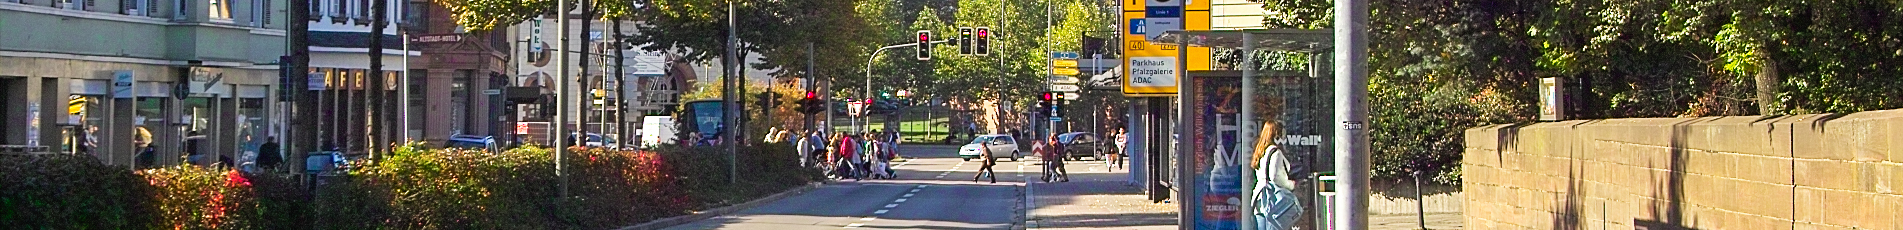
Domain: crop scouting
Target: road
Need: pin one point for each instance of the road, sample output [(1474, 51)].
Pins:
[(934, 190)]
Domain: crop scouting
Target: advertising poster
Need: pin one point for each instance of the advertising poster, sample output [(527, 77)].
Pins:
[(1214, 157)]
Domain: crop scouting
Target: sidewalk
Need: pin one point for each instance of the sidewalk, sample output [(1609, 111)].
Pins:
[(1094, 199)]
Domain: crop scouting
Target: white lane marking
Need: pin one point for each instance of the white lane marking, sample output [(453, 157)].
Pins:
[(855, 225), (900, 200), (921, 186), (892, 206), (880, 212), (908, 195), (915, 190), (868, 218)]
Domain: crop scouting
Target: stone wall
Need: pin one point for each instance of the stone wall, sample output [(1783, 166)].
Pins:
[(1790, 172)]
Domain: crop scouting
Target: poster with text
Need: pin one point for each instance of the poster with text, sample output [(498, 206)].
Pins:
[(1216, 201)]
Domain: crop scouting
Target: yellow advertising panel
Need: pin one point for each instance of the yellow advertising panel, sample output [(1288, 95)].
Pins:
[(1150, 69)]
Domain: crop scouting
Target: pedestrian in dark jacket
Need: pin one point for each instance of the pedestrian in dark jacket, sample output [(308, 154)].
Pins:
[(268, 155)]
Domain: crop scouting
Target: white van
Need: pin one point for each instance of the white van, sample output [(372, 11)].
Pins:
[(657, 130)]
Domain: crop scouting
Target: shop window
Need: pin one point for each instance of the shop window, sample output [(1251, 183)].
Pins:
[(148, 118), (252, 129), (80, 132)]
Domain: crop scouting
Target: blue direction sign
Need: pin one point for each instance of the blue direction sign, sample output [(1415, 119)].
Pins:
[(1064, 55), (1136, 26)]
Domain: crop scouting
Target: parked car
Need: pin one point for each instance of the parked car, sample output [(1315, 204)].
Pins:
[(1078, 145), (596, 140), (1001, 145), (472, 142)]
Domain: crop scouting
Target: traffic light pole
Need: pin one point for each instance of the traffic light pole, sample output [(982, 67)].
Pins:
[(875, 56), (811, 82)]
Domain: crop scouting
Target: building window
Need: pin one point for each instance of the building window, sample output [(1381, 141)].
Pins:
[(218, 9), (136, 7)]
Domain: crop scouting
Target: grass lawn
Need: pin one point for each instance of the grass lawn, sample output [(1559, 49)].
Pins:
[(914, 128)]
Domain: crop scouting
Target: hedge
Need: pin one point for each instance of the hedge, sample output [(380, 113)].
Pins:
[(411, 187)]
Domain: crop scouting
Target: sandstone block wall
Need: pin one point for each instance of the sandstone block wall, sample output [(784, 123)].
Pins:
[(1791, 172)]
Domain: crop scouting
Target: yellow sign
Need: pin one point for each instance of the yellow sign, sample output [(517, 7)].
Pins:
[(1066, 71), (1064, 63), (1150, 69)]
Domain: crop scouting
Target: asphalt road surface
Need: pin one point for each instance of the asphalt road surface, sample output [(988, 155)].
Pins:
[(934, 190)]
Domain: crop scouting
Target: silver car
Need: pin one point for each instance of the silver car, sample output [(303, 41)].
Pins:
[(998, 143)]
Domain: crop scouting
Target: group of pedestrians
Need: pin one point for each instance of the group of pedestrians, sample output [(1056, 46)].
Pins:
[(854, 156)]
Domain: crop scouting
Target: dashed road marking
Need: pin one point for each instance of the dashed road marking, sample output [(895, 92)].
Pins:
[(908, 195), (901, 200), (881, 211), (855, 225), (892, 206), (868, 218)]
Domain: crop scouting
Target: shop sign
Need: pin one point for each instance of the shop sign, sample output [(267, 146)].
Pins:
[(122, 84)]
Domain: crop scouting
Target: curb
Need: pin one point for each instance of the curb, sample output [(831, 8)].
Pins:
[(711, 213)]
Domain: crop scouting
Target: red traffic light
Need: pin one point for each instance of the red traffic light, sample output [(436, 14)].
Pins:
[(810, 95), (1047, 96), (923, 36), (983, 31)]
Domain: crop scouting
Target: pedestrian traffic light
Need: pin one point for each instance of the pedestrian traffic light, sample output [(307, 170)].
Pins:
[(984, 42), (964, 41), (924, 45), (1057, 105)]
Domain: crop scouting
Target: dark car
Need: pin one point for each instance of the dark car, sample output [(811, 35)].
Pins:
[(1078, 145)]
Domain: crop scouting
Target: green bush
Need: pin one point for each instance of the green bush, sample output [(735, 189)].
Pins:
[(411, 187), (71, 192)]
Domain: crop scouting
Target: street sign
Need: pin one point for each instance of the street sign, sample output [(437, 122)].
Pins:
[(1064, 55), (646, 64), (1065, 88), (1162, 15), (492, 92), (856, 108), (1064, 80), (1064, 63), (437, 38), (1065, 71), (1057, 119), (1072, 96)]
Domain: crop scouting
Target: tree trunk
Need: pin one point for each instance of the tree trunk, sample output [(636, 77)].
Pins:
[(373, 132), (1767, 82)]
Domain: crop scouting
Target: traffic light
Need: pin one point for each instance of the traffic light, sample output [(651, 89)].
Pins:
[(1044, 104), (924, 45), (811, 104), (1057, 105), (984, 41), (964, 41)]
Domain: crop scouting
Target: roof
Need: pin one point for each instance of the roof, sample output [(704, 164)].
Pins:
[(1266, 39)]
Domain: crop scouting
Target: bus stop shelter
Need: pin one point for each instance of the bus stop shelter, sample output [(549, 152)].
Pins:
[(1215, 160)]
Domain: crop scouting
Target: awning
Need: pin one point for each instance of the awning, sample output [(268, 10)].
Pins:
[(1265, 39)]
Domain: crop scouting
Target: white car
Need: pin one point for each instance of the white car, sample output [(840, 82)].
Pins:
[(999, 144)]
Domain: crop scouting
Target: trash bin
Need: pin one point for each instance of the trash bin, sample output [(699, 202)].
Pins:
[(1325, 200)]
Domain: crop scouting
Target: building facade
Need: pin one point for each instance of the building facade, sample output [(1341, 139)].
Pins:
[(340, 54), (459, 79), (110, 78)]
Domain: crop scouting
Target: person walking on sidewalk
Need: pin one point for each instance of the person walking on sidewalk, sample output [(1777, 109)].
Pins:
[(985, 167)]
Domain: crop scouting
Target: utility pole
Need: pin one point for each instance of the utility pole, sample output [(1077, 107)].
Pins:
[(1351, 108), (561, 95), (729, 117)]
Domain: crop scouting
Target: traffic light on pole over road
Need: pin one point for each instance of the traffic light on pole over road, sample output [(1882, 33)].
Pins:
[(983, 43), (964, 41), (924, 45)]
